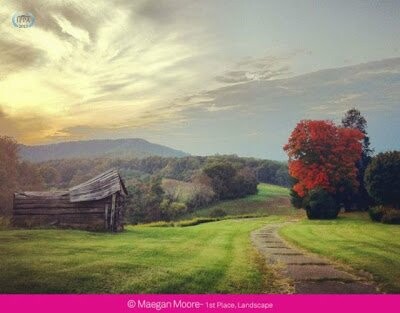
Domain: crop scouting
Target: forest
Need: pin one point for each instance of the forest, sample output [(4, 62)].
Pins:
[(161, 188)]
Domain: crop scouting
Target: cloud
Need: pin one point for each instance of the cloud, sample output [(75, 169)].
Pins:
[(17, 56), (249, 69), (162, 12), (87, 17), (267, 110), (28, 128), (160, 68), (82, 62)]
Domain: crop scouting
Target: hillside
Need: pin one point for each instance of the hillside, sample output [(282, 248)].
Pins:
[(121, 148)]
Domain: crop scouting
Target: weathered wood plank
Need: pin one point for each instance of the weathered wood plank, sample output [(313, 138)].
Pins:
[(57, 205), (100, 187), (89, 222), (46, 219), (112, 217), (42, 195), (106, 216), (45, 211)]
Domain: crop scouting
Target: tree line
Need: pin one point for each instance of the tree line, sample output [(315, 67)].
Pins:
[(209, 178)]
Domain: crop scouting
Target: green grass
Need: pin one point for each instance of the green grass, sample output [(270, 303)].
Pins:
[(356, 241), (270, 200), (208, 258)]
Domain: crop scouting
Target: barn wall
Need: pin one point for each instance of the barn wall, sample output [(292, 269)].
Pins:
[(59, 211)]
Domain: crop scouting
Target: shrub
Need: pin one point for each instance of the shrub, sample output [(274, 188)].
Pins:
[(295, 199), (196, 221), (319, 204), (218, 213), (376, 213), (170, 210), (382, 178), (391, 216), (160, 224)]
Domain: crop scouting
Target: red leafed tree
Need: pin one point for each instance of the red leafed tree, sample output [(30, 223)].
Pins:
[(323, 155)]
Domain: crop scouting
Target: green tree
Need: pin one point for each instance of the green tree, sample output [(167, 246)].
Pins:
[(8, 172), (382, 178), (360, 199), (222, 175)]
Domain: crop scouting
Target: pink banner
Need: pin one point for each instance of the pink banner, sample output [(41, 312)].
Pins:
[(198, 303)]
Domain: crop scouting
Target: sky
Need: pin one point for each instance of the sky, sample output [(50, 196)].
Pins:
[(205, 77)]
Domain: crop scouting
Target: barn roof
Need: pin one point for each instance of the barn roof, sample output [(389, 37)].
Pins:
[(39, 195), (99, 187)]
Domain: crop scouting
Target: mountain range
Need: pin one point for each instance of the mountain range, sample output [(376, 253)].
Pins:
[(118, 148)]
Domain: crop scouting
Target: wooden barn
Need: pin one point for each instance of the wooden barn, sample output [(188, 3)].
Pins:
[(94, 205)]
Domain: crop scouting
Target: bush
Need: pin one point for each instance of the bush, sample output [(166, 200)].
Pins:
[(171, 210), (382, 178), (319, 204), (196, 221), (376, 213), (295, 199), (160, 224), (391, 216), (218, 213)]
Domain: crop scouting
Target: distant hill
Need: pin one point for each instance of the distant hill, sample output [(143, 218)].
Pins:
[(119, 148)]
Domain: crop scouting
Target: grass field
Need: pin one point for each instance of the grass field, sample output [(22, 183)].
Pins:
[(356, 241), (209, 258), (215, 257), (270, 200)]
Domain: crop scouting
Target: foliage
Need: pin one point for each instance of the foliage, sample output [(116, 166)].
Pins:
[(172, 210), (295, 199), (385, 215), (359, 199), (376, 213), (8, 172), (14, 174), (322, 163), (322, 155), (391, 216), (29, 177), (222, 178), (319, 204), (144, 202), (245, 182), (382, 178), (195, 221), (195, 194), (273, 172), (353, 119), (269, 200), (75, 171), (228, 182)]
